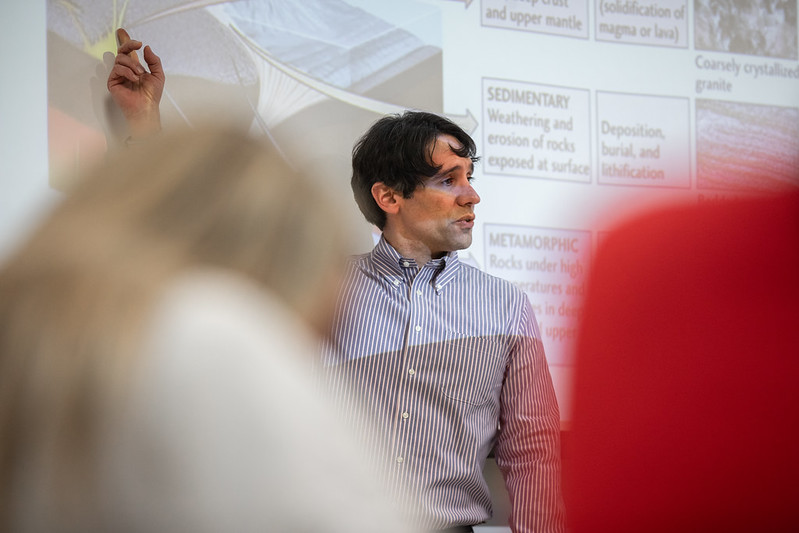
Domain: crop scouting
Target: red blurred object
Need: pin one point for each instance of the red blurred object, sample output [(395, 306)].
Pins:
[(686, 393)]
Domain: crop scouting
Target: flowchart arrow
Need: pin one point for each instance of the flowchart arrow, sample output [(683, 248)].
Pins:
[(467, 122)]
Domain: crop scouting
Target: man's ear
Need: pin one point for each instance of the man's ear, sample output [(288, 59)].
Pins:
[(386, 198)]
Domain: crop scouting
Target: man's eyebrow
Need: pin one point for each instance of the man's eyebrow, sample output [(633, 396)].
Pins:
[(457, 166)]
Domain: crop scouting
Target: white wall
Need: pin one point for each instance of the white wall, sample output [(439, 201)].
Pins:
[(24, 189)]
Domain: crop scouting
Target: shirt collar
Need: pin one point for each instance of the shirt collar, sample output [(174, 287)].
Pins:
[(390, 264)]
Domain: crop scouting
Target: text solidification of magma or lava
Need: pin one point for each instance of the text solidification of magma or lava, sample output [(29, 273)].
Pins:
[(632, 7)]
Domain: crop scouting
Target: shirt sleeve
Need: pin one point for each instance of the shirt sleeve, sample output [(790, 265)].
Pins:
[(528, 447)]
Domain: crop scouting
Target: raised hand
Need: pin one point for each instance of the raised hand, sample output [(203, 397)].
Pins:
[(136, 90)]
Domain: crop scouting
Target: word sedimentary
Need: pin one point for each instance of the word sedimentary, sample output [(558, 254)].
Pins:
[(528, 97)]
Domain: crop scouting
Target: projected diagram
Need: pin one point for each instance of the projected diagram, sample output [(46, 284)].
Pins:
[(752, 27), (596, 120), (744, 147), (311, 75), (534, 130)]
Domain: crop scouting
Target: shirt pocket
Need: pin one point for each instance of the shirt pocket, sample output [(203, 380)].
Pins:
[(472, 368)]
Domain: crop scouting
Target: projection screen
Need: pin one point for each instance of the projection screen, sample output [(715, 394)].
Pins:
[(582, 111)]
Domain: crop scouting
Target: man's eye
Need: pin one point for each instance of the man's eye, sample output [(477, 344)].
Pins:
[(448, 181), (472, 179)]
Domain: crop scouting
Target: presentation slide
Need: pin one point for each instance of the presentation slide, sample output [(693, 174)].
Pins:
[(583, 111)]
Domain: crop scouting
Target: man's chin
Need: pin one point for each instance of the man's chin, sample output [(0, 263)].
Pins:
[(462, 244)]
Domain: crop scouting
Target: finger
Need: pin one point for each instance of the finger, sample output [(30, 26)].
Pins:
[(122, 36), (129, 49), (154, 63), (132, 64), (124, 44), (120, 73)]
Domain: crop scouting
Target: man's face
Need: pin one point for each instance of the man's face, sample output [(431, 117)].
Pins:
[(440, 214)]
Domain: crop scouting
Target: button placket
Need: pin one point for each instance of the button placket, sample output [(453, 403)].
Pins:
[(417, 332), (417, 307)]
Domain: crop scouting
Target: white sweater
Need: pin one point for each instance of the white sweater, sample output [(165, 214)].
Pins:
[(224, 430)]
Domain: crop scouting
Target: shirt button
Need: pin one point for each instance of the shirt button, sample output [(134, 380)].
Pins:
[(418, 328), (405, 415), (400, 459), (418, 292), (411, 371), (406, 264), (396, 282), (438, 287)]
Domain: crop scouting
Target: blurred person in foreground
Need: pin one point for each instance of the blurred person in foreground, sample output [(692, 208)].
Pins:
[(155, 335), (685, 409), (447, 360)]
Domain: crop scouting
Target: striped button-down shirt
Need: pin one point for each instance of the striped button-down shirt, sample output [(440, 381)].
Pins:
[(447, 361)]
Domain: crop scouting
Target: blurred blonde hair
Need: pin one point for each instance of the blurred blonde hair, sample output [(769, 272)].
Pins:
[(75, 298)]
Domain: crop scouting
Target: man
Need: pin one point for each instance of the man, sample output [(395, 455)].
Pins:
[(447, 359)]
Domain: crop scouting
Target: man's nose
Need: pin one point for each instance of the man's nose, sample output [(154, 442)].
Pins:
[(469, 196)]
